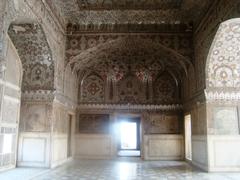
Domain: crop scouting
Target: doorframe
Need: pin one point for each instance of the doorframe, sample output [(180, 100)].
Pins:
[(186, 115), (123, 115), (138, 135), (72, 143)]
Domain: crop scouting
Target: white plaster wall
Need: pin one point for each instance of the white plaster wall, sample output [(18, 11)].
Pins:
[(199, 151), (33, 150), (163, 147), (93, 146), (224, 153), (59, 149), (10, 107)]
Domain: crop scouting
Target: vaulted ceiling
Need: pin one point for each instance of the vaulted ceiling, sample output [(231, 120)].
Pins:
[(145, 56), (130, 14), (115, 52)]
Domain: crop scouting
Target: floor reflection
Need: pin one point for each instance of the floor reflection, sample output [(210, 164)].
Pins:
[(132, 169), (125, 169)]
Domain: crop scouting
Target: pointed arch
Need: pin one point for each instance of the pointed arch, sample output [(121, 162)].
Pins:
[(222, 65), (35, 54)]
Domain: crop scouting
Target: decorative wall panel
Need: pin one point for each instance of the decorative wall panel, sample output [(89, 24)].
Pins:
[(35, 54), (113, 57), (93, 89), (163, 147), (111, 12), (131, 90), (129, 4), (93, 123), (223, 68), (78, 43), (165, 90), (34, 118), (162, 124), (204, 35), (225, 121)]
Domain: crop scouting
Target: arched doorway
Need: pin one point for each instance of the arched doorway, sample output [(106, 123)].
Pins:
[(11, 106), (222, 96), (29, 73)]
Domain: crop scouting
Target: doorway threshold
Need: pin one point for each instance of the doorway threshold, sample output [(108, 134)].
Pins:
[(129, 153)]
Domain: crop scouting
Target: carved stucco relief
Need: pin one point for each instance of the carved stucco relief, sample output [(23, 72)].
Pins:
[(161, 123), (223, 67), (93, 89), (35, 54), (205, 32)]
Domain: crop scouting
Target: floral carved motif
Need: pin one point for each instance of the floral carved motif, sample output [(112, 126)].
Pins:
[(35, 54), (223, 68)]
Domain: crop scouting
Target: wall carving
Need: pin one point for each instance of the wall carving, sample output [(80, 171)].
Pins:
[(35, 54), (93, 89), (131, 108), (204, 34), (121, 62), (132, 4), (225, 121), (161, 124), (93, 123), (216, 95), (35, 45), (223, 68), (78, 43), (165, 89), (131, 90), (91, 13)]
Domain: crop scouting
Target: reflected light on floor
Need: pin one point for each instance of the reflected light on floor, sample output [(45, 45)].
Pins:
[(126, 170)]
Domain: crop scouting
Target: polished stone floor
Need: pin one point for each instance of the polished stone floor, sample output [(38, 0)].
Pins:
[(22, 173), (131, 169), (125, 169)]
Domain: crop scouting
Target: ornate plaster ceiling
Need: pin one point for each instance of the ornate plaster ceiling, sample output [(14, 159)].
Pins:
[(128, 4), (97, 13), (142, 56)]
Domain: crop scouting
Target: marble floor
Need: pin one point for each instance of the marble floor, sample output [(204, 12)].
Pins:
[(22, 173), (127, 169)]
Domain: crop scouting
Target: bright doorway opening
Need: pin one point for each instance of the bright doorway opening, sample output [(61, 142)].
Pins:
[(129, 144), (128, 135), (188, 137)]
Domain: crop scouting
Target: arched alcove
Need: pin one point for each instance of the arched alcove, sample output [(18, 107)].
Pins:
[(35, 54), (222, 66), (222, 97), (28, 78)]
